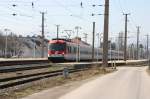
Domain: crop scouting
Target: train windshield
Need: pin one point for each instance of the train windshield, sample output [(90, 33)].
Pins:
[(57, 47)]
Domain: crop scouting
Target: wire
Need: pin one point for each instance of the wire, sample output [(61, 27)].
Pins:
[(133, 21), (120, 5), (65, 7), (14, 2)]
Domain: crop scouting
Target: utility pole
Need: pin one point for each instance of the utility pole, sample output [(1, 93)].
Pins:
[(6, 41), (78, 49), (132, 51), (85, 37), (42, 50), (138, 32), (93, 41), (118, 47), (98, 45), (57, 31), (148, 58), (125, 37), (147, 48), (98, 40), (105, 35)]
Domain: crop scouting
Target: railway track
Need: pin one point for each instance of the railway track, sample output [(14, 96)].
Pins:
[(21, 79), (30, 78), (14, 68), (9, 62)]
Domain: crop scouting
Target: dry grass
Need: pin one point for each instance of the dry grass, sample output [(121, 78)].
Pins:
[(55, 81)]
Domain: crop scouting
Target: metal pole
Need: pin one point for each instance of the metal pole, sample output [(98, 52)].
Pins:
[(85, 37), (6, 46), (77, 51), (133, 52), (111, 54), (129, 52), (77, 57), (57, 31), (97, 54), (100, 42), (98, 38), (148, 58), (6, 43), (138, 32), (147, 46), (118, 49), (105, 35), (34, 47), (42, 51), (93, 52)]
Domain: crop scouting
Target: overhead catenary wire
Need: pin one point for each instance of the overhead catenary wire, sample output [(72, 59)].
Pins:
[(120, 5), (132, 22), (66, 8), (23, 13)]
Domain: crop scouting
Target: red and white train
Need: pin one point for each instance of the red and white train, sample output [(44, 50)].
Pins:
[(73, 50)]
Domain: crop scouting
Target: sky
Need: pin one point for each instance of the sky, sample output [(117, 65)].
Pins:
[(69, 14)]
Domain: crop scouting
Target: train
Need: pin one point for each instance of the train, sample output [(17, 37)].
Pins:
[(77, 50)]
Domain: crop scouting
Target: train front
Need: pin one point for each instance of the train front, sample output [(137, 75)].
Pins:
[(56, 50)]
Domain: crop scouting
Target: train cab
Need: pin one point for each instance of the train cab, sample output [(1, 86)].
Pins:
[(56, 50)]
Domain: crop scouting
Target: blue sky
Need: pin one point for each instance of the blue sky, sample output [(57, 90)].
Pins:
[(69, 13)]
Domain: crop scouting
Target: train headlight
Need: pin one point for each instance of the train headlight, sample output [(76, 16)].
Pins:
[(63, 53)]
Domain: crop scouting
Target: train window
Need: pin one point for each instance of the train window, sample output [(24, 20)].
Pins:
[(68, 49), (71, 49), (74, 49), (57, 47)]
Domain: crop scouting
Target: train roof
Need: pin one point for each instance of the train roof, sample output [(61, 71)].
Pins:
[(57, 41), (62, 40)]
